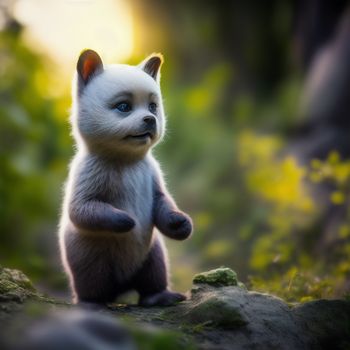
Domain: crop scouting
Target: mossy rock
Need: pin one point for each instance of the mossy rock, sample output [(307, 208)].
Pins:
[(15, 286), (223, 276)]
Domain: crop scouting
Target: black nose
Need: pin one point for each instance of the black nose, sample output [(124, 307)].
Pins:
[(149, 120)]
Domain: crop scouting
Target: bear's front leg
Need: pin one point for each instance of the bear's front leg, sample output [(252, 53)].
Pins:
[(99, 216), (168, 218)]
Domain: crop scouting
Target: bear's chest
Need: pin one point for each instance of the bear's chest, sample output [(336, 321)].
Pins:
[(131, 190)]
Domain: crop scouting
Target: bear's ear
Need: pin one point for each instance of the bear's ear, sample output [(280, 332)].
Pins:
[(151, 65), (89, 65)]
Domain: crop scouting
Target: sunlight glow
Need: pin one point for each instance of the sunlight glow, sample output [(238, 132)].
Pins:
[(63, 28)]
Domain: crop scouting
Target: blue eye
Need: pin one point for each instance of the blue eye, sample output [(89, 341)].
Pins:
[(152, 107), (123, 107)]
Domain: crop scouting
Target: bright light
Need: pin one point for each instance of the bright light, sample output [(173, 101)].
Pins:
[(63, 28)]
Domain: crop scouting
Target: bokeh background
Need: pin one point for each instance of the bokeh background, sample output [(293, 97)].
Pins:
[(257, 95)]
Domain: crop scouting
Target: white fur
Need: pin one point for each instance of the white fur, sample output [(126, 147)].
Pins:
[(93, 122)]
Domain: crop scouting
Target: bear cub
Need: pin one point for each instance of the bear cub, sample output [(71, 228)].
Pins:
[(116, 202)]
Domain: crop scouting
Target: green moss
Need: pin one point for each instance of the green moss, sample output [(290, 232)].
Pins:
[(19, 278), (223, 276), (159, 339), (242, 285), (200, 327), (15, 285)]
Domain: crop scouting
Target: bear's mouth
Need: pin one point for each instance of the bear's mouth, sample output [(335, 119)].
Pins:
[(141, 136)]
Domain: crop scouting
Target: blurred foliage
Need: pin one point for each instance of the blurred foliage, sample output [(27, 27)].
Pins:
[(34, 147), (254, 207), (283, 254), (295, 286)]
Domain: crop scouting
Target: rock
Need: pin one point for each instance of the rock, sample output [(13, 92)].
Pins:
[(234, 318), (223, 276), (76, 329), (325, 322), (15, 285), (208, 307), (220, 314), (231, 317)]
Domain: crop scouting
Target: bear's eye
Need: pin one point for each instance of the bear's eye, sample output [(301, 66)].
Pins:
[(123, 107), (152, 107)]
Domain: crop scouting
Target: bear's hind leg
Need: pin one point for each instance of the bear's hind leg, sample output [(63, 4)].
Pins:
[(91, 274), (93, 286), (151, 281)]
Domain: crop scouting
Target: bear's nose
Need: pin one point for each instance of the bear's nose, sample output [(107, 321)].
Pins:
[(149, 120)]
